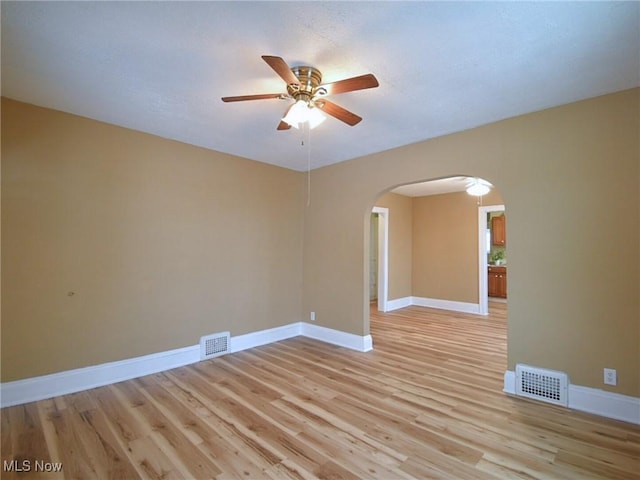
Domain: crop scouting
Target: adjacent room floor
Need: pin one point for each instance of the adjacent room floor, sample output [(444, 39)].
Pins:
[(427, 402)]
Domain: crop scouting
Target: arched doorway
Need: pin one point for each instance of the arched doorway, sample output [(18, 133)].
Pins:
[(449, 269)]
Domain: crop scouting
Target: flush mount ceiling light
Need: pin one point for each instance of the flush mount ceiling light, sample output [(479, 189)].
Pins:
[(478, 187), (304, 86)]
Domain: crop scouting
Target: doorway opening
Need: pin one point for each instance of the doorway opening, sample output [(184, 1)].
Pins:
[(448, 273), (379, 257), (483, 250)]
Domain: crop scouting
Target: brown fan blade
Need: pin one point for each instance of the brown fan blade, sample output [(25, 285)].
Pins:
[(338, 112), (284, 125), (282, 69), (263, 96), (351, 84)]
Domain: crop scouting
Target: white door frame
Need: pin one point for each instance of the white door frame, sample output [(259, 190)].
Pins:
[(383, 256), (483, 293)]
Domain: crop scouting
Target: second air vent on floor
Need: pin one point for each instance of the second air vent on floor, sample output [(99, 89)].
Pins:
[(545, 385)]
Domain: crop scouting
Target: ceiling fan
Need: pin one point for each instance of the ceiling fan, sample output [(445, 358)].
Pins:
[(304, 86)]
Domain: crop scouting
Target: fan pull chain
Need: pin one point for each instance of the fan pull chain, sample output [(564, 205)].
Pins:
[(308, 165), (305, 126)]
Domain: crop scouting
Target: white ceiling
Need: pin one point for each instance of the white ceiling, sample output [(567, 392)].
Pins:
[(433, 187), (161, 67)]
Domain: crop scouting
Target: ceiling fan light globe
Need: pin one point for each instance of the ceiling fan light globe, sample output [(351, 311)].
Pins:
[(297, 114), (316, 117), (301, 112)]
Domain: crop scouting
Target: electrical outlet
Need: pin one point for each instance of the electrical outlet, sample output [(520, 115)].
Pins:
[(312, 316), (610, 376)]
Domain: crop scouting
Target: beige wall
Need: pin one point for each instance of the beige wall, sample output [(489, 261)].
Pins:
[(399, 243), (445, 246), (570, 180), (161, 243)]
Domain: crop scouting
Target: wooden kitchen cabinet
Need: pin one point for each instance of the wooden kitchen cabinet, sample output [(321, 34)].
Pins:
[(499, 230), (497, 282)]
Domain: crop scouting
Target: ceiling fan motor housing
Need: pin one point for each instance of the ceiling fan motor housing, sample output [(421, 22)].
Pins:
[(310, 79)]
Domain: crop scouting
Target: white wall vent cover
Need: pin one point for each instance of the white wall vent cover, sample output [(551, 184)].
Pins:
[(540, 384), (214, 345)]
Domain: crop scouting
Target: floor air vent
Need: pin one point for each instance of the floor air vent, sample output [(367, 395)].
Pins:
[(214, 345), (540, 384)]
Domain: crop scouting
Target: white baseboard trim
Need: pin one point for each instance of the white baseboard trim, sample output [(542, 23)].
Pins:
[(592, 400), (76, 380), (264, 337), (607, 404), (509, 382), (317, 332), (397, 303), (463, 307), (336, 337), (79, 379)]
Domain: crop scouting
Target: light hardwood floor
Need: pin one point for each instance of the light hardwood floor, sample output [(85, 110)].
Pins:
[(426, 403)]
